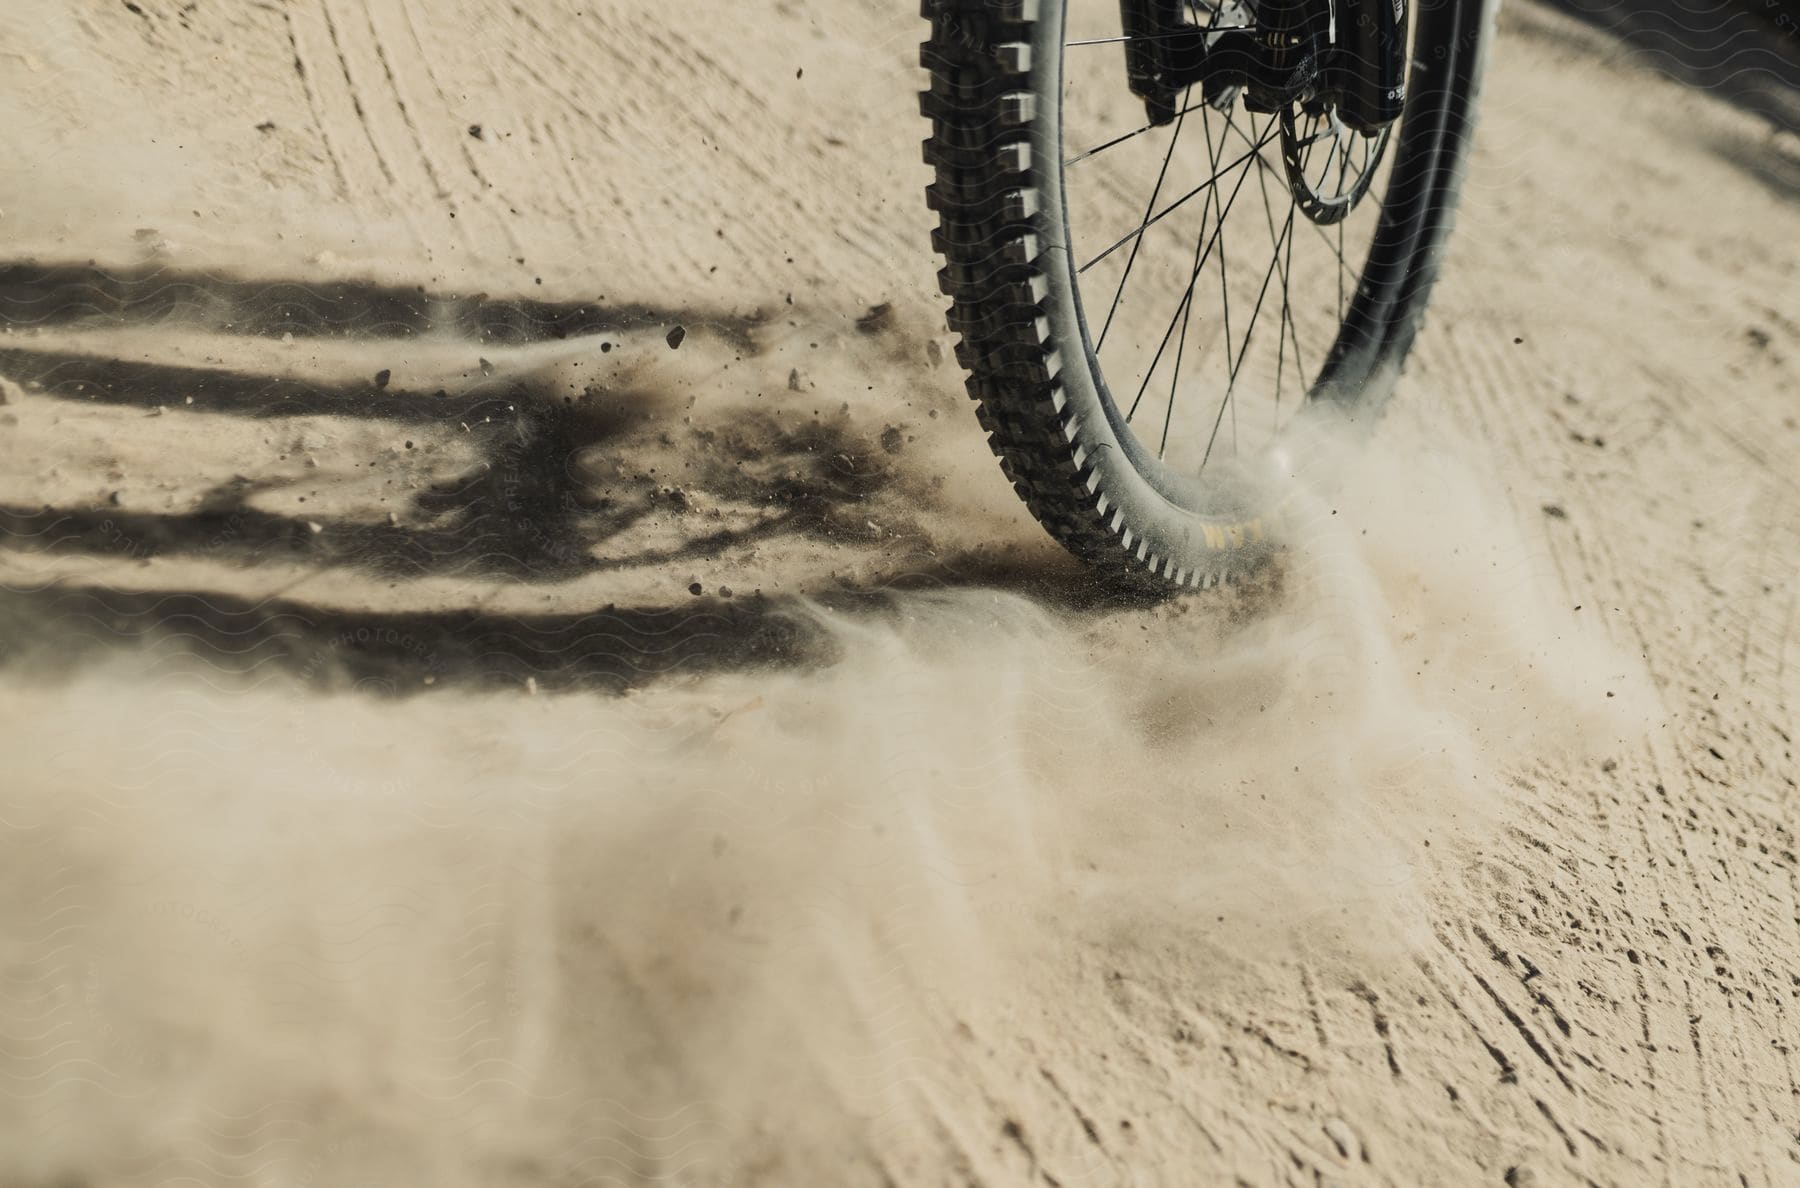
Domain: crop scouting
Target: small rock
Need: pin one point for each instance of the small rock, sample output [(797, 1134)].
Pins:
[(877, 319), (531, 686), (675, 336), (10, 392), (312, 463), (393, 520), (1344, 1139), (475, 131), (1521, 1177), (382, 377), (314, 527), (486, 367), (1555, 511), (724, 591), (934, 352), (266, 126), (793, 379), (288, 339), (116, 498), (695, 589), (891, 439)]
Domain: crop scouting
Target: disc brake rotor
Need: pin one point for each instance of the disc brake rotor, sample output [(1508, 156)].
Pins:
[(1329, 165)]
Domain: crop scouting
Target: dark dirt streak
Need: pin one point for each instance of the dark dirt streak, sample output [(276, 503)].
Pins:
[(49, 633), (49, 294), (71, 375)]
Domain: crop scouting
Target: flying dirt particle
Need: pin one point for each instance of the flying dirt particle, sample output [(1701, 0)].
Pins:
[(877, 319), (312, 463), (266, 126), (382, 377), (288, 339), (476, 132), (1517, 341), (1759, 338), (793, 379), (314, 527), (934, 353), (695, 589), (409, 445), (675, 337), (1610, 764), (116, 498), (531, 686), (1555, 511), (605, 347), (891, 439), (486, 367), (799, 72), (724, 591)]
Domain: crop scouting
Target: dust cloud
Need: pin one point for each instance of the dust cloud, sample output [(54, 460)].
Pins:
[(459, 938)]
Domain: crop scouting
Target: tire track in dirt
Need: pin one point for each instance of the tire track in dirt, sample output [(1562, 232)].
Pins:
[(316, 106), (423, 60), (1729, 1090)]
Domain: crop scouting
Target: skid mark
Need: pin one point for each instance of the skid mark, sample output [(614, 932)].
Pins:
[(320, 124), (1383, 1029), (484, 188)]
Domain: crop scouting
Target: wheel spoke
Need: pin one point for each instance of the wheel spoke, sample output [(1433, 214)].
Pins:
[(1188, 299), (1169, 331), (1100, 148), (1155, 36), (1249, 334), (1149, 206), (1164, 213)]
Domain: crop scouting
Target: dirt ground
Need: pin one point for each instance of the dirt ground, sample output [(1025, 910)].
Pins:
[(462, 730)]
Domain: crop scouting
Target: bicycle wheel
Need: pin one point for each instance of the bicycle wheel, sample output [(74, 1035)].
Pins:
[(1151, 309)]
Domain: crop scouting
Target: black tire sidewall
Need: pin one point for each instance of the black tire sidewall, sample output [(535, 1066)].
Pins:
[(1196, 528)]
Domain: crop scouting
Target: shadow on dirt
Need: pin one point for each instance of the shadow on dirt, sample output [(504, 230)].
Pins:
[(57, 629), (558, 488), (62, 294), (1744, 51)]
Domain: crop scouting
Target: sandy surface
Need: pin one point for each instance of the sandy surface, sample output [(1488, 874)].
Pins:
[(455, 738)]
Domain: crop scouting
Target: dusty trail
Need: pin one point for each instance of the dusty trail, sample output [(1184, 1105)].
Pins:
[(456, 738)]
